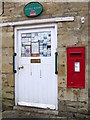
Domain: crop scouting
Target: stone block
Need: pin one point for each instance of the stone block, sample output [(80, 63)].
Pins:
[(7, 68), (62, 56), (62, 60), (4, 80), (7, 104), (11, 60), (81, 116), (83, 110), (69, 95), (61, 93), (4, 29), (10, 80), (52, 9), (9, 5), (61, 69), (5, 59), (60, 25), (62, 114), (84, 11), (10, 51), (83, 96), (5, 51), (68, 39), (76, 104), (4, 76), (8, 96), (8, 89), (80, 94), (10, 29), (62, 82), (7, 39), (72, 109), (73, 25)]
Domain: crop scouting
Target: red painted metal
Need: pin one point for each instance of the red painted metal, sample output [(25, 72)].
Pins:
[(75, 79)]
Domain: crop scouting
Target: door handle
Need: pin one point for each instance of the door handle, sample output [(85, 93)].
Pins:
[(56, 54), (21, 67), (14, 62)]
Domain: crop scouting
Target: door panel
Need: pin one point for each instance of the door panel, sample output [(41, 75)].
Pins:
[(37, 81)]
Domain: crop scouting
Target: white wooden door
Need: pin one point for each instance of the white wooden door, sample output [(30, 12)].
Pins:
[(36, 79)]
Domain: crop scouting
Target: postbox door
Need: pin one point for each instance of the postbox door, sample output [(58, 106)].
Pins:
[(76, 67)]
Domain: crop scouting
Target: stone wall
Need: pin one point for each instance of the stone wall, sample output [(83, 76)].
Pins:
[(69, 34), (7, 67)]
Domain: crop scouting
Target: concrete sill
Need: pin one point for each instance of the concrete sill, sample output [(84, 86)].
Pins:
[(36, 110)]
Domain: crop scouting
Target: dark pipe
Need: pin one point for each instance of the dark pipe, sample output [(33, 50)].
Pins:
[(2, 8)]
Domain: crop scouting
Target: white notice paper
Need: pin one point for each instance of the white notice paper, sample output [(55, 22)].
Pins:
[(35, 48), (77, 66)]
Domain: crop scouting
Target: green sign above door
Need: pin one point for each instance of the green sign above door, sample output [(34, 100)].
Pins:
[(33, 9)]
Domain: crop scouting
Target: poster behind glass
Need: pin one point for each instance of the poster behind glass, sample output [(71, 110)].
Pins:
[(36, 44)]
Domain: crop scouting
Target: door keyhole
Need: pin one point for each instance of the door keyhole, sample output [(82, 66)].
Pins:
[(31, 73)]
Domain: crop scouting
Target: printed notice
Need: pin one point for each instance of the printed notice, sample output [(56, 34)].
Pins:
[(35, 48), (77, 66)]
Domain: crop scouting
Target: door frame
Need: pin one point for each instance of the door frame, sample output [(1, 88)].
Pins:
[(16, 29)]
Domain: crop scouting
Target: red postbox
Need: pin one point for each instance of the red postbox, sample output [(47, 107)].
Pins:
[(76, 67)]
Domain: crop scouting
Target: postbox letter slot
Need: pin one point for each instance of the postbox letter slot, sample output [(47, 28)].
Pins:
[(75, 53)]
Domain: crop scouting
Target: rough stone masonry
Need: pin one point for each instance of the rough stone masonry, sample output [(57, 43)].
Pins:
[(70, 101)]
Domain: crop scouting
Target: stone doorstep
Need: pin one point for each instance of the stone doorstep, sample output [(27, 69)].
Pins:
[(36, 110)]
